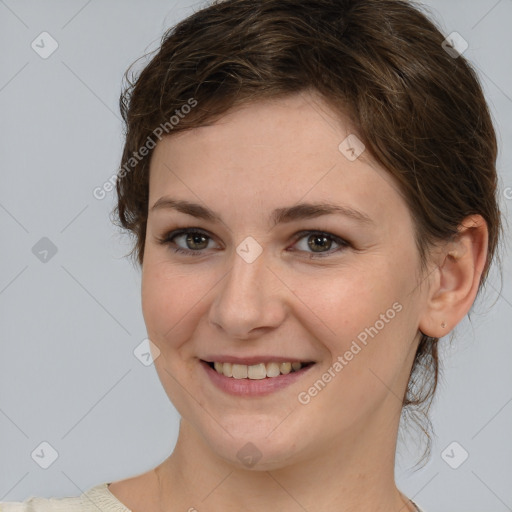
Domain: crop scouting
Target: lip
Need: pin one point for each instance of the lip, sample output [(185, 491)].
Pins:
[(249, 387), (253, 359)]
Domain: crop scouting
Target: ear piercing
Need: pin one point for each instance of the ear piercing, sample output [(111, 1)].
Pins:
[(443, 325)]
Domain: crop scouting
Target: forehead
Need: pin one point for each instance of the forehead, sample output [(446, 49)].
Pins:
[(279, 150), (272, 131), (268, 122)]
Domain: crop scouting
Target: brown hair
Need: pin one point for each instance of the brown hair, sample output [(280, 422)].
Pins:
[(420, 111)]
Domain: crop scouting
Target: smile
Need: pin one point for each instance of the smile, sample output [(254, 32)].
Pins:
[(257, 379), (256, 371)]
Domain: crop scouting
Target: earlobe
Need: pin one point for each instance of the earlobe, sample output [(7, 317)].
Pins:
[(460, 264)]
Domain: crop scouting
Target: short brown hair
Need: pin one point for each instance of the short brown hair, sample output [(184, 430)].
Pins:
[(420, 111)]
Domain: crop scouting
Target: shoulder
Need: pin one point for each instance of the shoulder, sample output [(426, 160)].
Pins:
[(96, 498)]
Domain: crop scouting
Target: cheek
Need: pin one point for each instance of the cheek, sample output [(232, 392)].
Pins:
[(366, 312), (346, 301), (170, 300), (363, 312)]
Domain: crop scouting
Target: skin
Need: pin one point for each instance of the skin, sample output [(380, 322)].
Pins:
[(337, 452)]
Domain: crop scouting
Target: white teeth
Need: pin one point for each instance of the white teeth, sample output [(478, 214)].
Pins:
[(273, 369), (226, 369), (256, 371), (239, 371)]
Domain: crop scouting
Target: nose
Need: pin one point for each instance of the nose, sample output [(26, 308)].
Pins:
[(249, 301)]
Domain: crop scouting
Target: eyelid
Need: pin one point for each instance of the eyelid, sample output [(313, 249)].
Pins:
[(343, 244), (167, 238)]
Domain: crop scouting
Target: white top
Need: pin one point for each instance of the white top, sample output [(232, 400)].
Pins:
[(98, 498)]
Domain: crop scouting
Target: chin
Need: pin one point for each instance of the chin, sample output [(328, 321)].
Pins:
[(257, 443)]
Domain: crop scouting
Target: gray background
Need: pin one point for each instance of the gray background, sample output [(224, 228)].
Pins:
[(68, 374)]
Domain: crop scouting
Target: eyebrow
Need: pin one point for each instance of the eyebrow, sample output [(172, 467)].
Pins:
[(300, 211)]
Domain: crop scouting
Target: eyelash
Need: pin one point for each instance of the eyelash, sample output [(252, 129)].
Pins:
[(169, 237)]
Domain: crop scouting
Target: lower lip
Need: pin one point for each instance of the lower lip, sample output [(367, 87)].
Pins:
[(250, 387)]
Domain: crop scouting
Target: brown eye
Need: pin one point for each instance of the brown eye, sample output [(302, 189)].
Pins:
[(196, 241), (193, 242), (318, 243)]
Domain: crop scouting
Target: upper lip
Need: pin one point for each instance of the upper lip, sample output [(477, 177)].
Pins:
[(248, 361)]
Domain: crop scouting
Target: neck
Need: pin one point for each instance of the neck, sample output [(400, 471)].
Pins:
[(352, 474)]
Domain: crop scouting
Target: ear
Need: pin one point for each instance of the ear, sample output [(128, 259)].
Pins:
[(454, 283)]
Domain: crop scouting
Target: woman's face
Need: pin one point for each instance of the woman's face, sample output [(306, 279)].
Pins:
[(268, 282)]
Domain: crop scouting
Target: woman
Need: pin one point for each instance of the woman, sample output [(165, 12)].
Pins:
[(312, 191)]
